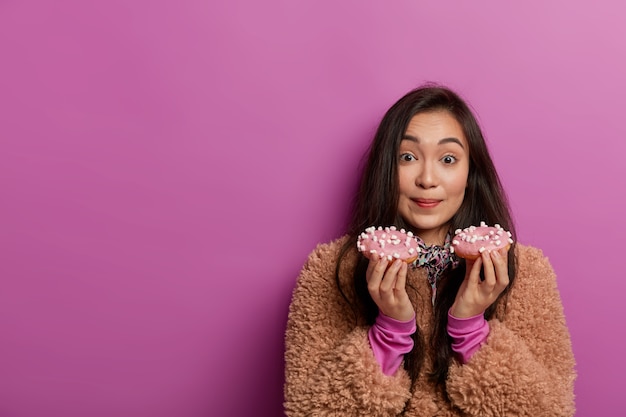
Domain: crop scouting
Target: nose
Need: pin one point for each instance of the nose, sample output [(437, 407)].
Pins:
[(427, 177)]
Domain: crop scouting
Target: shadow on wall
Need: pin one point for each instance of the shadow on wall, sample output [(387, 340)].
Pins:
[(252, 384)]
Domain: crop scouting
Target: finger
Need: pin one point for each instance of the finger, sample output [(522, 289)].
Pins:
[(474, 271), (374, 275), (401, 278), (389, 279), (501, 266), (488, 271), (370, 267)]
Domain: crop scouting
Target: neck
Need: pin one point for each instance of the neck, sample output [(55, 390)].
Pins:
[(433, 237)]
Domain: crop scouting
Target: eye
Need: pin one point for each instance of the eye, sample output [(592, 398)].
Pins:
[(407, 157), (448, 159)]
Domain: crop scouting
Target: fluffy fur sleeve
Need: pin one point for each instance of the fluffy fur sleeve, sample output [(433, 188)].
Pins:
[(526, 367), (329, 366)]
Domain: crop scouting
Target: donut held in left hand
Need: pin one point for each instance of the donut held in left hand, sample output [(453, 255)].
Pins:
[(470, 242)]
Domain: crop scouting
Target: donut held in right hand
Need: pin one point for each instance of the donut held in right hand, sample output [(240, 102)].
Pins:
[(389, 243), (470, 242)]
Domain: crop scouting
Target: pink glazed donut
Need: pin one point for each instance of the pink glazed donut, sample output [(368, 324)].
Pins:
[(470, 242), (388, 242)]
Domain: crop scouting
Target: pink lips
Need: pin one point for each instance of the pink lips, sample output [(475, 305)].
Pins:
[(426, 203)]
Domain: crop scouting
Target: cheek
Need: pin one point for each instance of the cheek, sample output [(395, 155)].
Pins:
[(404, 179), (457, 184)]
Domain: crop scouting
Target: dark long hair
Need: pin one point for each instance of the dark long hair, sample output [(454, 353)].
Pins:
[(376, 204)]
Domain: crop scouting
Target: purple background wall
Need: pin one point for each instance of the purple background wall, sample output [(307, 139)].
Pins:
[(166, 167)]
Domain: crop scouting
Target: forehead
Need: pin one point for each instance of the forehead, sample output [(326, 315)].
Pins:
[(434, 126)]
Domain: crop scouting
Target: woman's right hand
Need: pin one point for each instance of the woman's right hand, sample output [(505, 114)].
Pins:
[(387, 287)]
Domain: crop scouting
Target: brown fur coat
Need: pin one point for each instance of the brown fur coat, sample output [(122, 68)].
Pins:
[(525, 368)]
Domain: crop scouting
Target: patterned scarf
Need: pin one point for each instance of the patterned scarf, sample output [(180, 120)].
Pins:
[(436, 259)]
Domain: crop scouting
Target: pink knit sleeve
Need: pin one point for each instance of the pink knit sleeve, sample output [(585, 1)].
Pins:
[(390, 339), (467, 335)]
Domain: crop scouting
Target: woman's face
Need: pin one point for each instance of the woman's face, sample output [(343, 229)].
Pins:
[(433, 165)]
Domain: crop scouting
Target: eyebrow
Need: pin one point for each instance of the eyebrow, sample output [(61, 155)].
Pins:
[(441, 142)]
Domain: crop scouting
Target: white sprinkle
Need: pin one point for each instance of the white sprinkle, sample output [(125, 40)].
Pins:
[(455, 242), (482, 249), (451, 249), (483, 224), (510, 240), (396, 255)]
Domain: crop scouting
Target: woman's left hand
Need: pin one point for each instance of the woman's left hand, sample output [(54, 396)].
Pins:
[(474, 295)]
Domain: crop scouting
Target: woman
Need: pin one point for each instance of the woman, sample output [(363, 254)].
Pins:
[(442, 337)]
